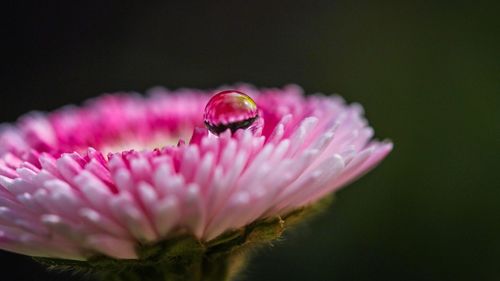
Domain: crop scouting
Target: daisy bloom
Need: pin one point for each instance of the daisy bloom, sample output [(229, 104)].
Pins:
[(174, 185)]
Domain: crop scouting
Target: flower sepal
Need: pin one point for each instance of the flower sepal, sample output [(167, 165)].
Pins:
[(186, 257)]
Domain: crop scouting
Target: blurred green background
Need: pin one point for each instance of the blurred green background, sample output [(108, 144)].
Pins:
[(427, 73)]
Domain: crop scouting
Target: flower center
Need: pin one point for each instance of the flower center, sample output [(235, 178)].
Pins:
[(150, 142), (230, 110)]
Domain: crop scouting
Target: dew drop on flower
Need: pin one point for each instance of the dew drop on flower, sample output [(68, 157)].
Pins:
[(230, 110)]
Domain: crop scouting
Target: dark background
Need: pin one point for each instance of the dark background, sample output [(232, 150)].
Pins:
[(427, 72)]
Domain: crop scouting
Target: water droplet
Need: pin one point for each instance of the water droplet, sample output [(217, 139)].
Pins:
[(230, 110)]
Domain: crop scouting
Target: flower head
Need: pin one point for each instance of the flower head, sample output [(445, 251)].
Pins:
[(124, 169)]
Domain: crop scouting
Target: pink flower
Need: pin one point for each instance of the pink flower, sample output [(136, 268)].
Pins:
[(125, 169)]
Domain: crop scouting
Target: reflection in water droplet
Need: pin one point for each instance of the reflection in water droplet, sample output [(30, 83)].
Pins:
[(230, 110)]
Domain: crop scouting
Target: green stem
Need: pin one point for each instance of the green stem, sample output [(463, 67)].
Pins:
[(223, 267)]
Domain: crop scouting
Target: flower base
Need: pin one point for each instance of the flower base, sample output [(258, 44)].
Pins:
[(185, 257)]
